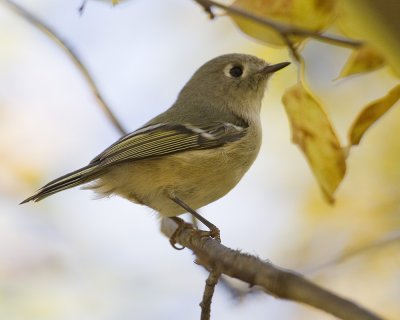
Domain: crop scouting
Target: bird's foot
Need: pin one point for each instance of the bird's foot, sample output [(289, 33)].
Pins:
[(182, 225), (212, 233)]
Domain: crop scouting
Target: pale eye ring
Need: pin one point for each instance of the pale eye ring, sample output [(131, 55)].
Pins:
[(236, 71)]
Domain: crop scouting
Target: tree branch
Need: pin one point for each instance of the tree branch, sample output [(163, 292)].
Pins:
[(205, 304), (284, 30), (276, 281), (72, 54), (387, 240)]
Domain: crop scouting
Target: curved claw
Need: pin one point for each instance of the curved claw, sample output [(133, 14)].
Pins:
[(181, 226), (173, 244)]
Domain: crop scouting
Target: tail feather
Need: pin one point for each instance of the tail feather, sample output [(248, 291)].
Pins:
[(67, 181)]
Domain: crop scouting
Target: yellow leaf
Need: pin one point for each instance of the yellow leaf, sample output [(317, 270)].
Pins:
[(313, 132), (114, 2), (346, 23), (314, 15), (371, 113), (360, 20), (365, 59)]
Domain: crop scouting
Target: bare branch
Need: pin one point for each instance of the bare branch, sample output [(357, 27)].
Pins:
[(72, 54), (284, 30), (276, 281), (211, 282), (292, 49), (387, 240), (207, 8), (82, 6)]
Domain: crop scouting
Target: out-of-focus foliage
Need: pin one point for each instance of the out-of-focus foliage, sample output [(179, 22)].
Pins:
[(374, 22), (371, 113), (15, 175), (365, 220), (16, 172), (314, 15), (362, 60), (313, 132), (366, 211), (322, 148)]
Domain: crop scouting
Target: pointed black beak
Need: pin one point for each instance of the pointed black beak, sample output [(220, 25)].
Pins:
[(274, 67)]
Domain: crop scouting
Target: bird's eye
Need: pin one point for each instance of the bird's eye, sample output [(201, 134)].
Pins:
[(236, 71)]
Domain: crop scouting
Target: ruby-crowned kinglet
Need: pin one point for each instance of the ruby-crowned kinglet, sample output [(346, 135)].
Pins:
[(192, 154)]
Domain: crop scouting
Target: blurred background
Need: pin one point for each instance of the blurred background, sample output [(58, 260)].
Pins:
[(69, 257)]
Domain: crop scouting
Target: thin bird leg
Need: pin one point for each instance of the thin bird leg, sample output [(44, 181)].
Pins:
[(214, 231)]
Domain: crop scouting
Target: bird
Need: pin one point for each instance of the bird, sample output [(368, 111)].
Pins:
[(193, 153)]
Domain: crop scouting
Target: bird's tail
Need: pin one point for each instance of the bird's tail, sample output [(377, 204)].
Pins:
[(72, 179)]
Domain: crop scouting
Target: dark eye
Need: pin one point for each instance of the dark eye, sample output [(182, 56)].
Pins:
[(236, 71)]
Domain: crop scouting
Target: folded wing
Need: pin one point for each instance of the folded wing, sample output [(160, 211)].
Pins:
[(146, 143), (160, 140)]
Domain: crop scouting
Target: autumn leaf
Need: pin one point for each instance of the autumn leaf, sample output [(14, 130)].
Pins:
[(313, 15), (313, 132), (371, 113), (356, 20), (365, 59)]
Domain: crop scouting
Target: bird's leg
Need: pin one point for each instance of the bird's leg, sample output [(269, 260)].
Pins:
[(214, 231)]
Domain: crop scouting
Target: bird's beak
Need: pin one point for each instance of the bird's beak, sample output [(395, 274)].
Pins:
[(274, 67)]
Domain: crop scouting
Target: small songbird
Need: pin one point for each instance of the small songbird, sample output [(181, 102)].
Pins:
[(192, 154)]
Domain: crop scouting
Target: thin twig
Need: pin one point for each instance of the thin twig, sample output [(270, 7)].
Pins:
[(385, 241), (282, 29), (292, 49), (82, 6), (276, 281), (72, 54), (211, 282), (207, 8)]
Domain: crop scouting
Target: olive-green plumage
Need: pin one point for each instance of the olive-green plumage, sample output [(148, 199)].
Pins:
[(196, 151)]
